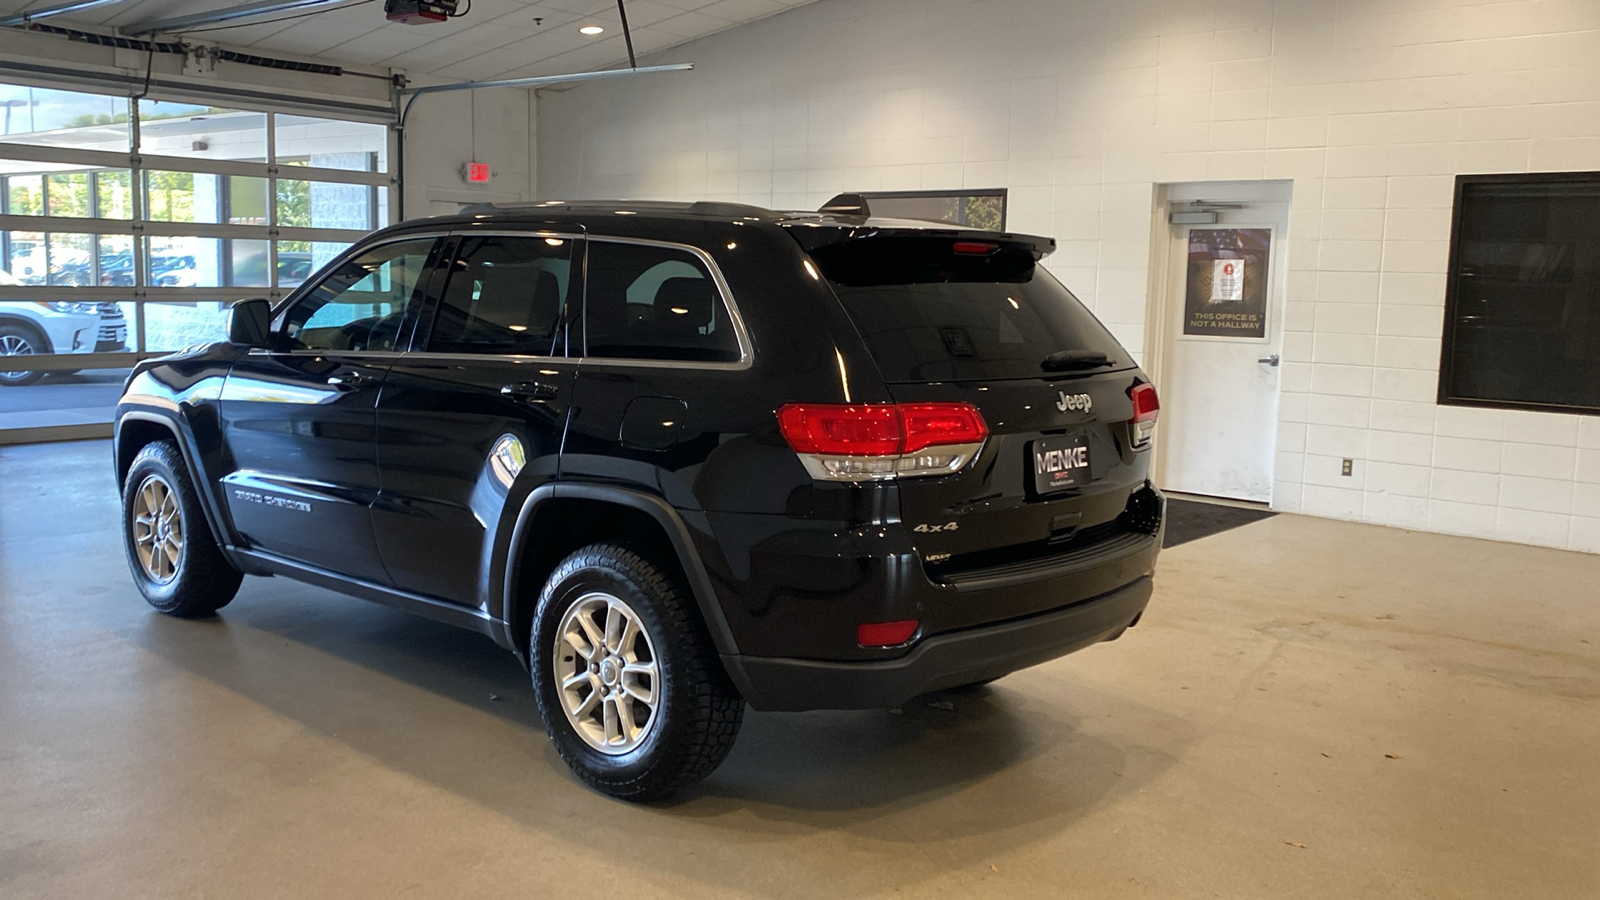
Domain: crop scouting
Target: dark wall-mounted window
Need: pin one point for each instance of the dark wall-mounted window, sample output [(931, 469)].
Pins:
[(977, 208), (1522, 307)]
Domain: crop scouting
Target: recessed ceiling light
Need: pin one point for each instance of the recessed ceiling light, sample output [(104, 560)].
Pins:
[(591, 29)]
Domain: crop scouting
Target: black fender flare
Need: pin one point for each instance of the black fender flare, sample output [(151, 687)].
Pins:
[(174, 424), (700, 585)]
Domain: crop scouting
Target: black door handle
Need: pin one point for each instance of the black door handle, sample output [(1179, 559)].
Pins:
[(530, 390)]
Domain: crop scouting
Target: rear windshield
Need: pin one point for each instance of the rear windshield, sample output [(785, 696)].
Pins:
[(930, 314)]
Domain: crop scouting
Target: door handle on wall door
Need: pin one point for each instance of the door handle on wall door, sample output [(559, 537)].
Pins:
[(1272, 360)]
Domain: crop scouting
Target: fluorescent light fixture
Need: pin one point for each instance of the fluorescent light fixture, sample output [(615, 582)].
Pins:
[(592, 30)]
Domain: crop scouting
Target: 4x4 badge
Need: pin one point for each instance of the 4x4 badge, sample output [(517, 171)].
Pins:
[(1074, 401)]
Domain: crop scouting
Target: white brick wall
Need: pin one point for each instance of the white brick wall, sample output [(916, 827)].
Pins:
[(1079, 106)]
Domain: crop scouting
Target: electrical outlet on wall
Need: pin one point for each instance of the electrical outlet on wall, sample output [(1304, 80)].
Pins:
[(1347, 467)]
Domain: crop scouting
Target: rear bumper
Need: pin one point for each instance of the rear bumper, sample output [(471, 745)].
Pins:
[(942, 661)]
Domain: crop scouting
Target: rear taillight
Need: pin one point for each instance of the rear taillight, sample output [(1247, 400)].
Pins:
[(1146, 407), (880, 441)]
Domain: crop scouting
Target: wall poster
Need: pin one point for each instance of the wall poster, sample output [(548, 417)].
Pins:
[(1226, 293)]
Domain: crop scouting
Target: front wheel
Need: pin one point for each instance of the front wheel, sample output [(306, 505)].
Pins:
[(175, 561), (629, 685)]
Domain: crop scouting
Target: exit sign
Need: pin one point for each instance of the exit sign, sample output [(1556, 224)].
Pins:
[(478, 173)]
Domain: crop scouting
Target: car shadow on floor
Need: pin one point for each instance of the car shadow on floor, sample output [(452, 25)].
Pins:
[(982, 770)]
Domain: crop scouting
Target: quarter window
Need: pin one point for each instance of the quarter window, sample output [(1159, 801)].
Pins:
[(359, 305), (648, 302), (506, 294)]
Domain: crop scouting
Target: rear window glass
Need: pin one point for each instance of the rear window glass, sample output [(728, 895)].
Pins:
[(930, 314)]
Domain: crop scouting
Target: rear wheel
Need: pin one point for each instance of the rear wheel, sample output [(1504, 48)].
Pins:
[(17, 340), (630, 688), (175, 561)]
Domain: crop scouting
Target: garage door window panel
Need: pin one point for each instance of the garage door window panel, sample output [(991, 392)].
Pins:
[(43, 117)]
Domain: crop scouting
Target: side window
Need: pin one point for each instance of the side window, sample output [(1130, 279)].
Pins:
[(505, 295), (645, 302), (359, 305)]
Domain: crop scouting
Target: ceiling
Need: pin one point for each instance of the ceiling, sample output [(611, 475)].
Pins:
[(492, 39)]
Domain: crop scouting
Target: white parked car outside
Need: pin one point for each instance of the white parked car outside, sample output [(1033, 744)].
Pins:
[(57, 326)]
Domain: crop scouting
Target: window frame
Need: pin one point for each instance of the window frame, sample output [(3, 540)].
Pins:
[(956, 193), (1452, 297)]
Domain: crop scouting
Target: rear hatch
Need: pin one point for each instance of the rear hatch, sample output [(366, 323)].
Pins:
[(964, 317)]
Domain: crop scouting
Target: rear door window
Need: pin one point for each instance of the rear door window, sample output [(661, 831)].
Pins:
[(928, 313), (644, 301)]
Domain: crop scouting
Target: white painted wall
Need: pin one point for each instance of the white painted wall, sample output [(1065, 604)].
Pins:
[(1081, 106), (446, 131)]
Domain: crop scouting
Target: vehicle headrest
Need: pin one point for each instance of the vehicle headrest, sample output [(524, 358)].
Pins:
[(684, 302)]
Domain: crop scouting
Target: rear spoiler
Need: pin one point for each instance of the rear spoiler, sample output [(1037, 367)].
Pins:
[(845, 218)]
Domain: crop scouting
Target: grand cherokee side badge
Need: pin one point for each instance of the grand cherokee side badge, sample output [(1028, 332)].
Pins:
[(1069, 402)]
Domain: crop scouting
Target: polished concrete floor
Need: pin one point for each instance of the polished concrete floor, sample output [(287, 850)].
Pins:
[(1309, 709)]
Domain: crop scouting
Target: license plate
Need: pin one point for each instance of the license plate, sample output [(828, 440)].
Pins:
[(1060, 463)]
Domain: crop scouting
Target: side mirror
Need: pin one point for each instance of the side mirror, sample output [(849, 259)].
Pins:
[(250, 322)]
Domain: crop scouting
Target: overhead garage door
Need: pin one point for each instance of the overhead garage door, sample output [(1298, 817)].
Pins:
[(129, 225)]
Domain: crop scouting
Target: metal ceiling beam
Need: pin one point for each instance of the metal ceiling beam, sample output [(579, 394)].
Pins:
[(35, 15), (539, 80), (227, 14)]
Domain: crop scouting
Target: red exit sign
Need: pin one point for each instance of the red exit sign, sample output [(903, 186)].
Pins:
[(478, 173)]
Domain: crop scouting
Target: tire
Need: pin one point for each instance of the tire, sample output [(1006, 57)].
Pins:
[(20, 340), (175, 561), (697, 711)]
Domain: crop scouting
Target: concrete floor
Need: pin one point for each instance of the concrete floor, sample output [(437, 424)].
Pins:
[(1310, 709)]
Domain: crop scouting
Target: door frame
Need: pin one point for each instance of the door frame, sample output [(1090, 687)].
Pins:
[(1164, 302)]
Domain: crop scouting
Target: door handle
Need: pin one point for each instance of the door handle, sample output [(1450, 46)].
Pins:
[(1272, 360), (351, 379), (530, 390)]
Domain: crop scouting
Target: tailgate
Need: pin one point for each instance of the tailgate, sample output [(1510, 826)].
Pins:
[(1055, 474)]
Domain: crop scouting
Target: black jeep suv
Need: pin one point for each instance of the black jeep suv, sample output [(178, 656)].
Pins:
[(676, 457)]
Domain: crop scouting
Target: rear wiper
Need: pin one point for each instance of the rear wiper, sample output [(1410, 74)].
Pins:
[(1075, 359)]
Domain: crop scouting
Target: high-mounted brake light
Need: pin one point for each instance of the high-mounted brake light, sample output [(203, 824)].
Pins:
[(880, 441), (1146, 407), (976, 248)]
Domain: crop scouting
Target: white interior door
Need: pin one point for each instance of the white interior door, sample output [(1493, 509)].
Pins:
[(1219, 388)]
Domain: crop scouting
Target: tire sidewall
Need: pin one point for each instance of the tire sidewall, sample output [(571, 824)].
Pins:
[(164, 597), (587, 573)]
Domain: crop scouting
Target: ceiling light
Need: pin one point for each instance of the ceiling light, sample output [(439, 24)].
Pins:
[(591, 30)]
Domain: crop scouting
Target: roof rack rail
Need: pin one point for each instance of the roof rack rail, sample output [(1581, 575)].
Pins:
[(697, 207)]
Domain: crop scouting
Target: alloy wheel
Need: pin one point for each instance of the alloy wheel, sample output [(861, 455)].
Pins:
[(607, 673), (158, 529), (15, 345)]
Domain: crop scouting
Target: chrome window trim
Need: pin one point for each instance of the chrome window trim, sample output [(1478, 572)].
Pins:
[(577, 232)]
